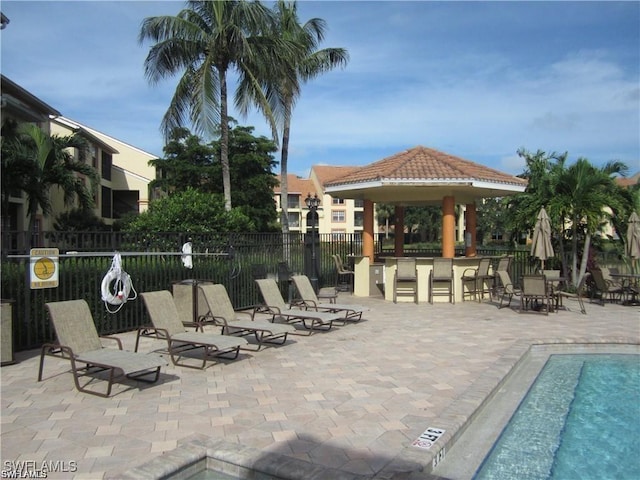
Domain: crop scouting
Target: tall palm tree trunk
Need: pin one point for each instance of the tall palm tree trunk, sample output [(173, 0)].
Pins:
[(224, 140), (284, 184)]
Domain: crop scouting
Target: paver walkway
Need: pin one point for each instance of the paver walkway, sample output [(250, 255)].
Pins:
[(353, 398)]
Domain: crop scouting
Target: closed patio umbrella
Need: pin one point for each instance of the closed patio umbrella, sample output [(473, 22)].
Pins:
[(633, 236), (541, 245)]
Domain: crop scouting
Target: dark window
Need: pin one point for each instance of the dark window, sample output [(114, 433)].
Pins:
[(358, 219), (106, 166), (358, 203), (106, 202)]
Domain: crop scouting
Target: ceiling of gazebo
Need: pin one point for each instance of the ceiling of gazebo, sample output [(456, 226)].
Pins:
[(422, 176)]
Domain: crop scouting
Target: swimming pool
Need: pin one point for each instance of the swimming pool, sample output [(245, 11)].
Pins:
[(580, 419)]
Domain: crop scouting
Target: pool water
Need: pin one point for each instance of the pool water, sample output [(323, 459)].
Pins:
[(580, 419)]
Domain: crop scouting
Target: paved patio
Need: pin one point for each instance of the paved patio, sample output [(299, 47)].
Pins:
[(352, 399)]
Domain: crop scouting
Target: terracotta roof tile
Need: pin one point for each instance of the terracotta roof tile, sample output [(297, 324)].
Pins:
[(422, 163), (329, 173), (297, 185)]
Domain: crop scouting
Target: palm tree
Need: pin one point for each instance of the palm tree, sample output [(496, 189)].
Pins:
[(582, 194), (46, 161), (281, 81), (203, 42)]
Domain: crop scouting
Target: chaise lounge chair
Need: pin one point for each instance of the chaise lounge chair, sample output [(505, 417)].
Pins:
[(167, 325), (78, 340), (274, 305), (221, 313), (310, 301)]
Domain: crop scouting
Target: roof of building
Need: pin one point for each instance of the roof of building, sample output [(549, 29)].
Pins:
[(628, 181), (423, 176), (297, 185), (21, 100), (422, 163), (328, 173)]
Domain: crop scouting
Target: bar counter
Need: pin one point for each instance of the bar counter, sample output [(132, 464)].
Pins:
[(424, 265)]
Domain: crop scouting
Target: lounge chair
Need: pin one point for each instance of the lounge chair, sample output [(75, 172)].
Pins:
[(508, 289), (167, 325), (221, 313), (275, 305), (310, 301), (78, 340)]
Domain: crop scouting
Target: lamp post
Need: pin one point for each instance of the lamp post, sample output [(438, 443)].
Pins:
[(312, 204)]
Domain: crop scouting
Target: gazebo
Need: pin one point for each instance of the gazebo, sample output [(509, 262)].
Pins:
[(424, 176)]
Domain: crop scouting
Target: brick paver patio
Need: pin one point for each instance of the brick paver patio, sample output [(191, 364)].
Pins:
[(351, 399)]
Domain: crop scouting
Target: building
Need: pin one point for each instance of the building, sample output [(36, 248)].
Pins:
[(336, 216), (124, 170)]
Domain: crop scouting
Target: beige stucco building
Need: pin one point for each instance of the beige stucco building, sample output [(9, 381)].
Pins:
[(124, 170), (335, 216)]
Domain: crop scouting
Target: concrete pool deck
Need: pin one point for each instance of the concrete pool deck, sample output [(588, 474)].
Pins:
[(350, 400)]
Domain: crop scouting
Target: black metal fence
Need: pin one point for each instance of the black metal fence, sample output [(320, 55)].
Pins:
[(154, 263)]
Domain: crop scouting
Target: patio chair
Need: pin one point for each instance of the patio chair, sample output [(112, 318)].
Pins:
[(167, 325), (508, 288), (406, 278), (78, 341), (275, 305), (605, 289), (535, 289), (222, 313), (310, 301), (577, 294), (441, 274), (344, 276), (475, 279), (613, 282)]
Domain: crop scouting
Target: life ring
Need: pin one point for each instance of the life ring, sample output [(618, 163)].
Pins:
[(121, 284)]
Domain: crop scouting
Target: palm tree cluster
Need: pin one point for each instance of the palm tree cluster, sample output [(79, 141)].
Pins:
[(580, 199), (271, 52)]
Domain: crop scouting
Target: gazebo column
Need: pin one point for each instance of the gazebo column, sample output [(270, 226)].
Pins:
[(367, 234), (448, 227), (399, 232), (471, 229)]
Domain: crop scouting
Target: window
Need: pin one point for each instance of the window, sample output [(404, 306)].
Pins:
[(358, 203), (294, 219), (106, 202), (337, 201), (358, 219), (294, 201), (106, 166), (338, 216), (338, 234)]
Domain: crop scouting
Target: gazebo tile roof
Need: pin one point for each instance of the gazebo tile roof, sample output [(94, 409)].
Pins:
[(422, 163)]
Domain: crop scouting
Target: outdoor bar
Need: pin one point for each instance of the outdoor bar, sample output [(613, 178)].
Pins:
[(423, 176)]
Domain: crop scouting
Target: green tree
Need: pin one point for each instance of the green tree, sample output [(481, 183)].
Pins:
[(203, 42), (385, 213), (190, 164), (576, 197), (37, 162), (187, 163), (282, 80), (190, 211), (426, 220)]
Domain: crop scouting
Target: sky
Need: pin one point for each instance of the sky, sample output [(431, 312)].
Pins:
[(478, 80)]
